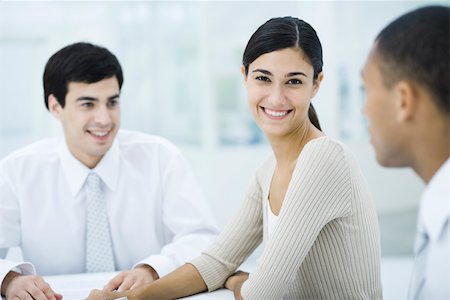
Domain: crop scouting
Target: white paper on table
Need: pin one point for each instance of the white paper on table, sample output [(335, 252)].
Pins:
[(78, 286)]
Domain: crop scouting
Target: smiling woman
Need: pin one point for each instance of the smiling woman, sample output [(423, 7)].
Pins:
[(309, 201)]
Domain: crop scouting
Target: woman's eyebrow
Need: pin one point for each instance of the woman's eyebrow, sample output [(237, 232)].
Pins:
[(262, 71), (266, 72), (290, 74), (296, 73)]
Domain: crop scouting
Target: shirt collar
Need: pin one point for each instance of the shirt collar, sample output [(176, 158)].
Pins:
[(435, 203), (76, 172), (108, 167)]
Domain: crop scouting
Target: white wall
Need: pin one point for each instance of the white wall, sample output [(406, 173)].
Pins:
[(181, 63)]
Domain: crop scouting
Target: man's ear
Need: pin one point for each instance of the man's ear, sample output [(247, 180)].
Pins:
[(54, 107), (316, 84), (406, 101)]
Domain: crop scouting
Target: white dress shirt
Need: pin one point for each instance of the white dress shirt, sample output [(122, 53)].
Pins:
[(155, 208), (434, 219)]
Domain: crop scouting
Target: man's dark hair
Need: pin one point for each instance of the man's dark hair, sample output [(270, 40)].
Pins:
[(416, 47), (79, 62)]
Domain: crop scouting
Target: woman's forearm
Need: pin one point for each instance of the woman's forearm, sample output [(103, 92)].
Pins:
[(235, 282), (182, 282)]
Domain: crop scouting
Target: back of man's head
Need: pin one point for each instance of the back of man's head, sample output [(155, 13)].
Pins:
[(79, 62), (416, 47)]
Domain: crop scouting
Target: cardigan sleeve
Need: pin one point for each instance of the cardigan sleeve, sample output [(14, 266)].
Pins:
[(236, 242), (319, 192)]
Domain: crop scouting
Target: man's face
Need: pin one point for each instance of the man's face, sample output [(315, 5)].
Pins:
[(90, 118), (380, 109)]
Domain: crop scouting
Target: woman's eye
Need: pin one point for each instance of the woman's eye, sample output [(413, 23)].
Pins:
[(294, 81), (263, 78)]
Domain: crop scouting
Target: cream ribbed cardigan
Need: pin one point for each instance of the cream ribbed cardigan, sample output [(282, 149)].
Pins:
[(326, 244)]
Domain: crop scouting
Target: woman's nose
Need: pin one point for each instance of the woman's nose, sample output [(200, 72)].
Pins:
[(277, 95)]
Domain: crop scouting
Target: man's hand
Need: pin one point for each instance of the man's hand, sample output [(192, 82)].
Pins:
[(235, 282), (132, 279), (27, 287)]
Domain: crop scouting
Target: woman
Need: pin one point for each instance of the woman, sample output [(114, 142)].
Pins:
[(309, 202)]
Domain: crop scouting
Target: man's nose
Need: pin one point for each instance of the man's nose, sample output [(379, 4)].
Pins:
[(102, 115)]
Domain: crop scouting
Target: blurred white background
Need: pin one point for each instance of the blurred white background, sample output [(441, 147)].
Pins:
[(181, 63)]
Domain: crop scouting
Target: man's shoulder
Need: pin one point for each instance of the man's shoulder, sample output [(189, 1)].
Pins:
[(42, 148)]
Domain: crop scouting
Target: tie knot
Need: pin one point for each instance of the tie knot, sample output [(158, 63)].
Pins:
[(93, 181)]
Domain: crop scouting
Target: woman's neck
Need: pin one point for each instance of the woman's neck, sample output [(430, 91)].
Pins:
[(287, 148)]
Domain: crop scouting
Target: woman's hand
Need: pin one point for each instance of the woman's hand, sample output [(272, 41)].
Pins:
[(104, 295), (235, 282)]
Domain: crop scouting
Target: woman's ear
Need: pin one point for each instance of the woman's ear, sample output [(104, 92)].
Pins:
[(243, 73), (54, 107), (316, 84)]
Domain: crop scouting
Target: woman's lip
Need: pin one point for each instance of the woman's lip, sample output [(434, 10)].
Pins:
[(277, 114)]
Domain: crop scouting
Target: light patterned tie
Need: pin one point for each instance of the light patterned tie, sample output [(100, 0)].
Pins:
[(99, 252), (418, 281)]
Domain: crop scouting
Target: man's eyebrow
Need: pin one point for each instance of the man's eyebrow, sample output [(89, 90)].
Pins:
[(114, 97), (86, 98)]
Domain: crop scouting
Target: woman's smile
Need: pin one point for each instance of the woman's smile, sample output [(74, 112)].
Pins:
[(275, 114)]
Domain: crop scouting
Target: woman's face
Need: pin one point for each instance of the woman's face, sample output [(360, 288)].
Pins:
[(280, 87)]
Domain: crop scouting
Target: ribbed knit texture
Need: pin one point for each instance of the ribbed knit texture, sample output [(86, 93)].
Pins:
[(326, 244)]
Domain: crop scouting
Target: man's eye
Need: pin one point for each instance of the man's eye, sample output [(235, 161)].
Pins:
[(87, 104), (113, 103), (263, 78), (294, 81)]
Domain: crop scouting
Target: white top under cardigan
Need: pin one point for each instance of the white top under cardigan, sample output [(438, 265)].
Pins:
[(326, 243), (272, 221)]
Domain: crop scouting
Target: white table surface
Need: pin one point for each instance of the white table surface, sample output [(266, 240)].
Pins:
[(78, 286), (395, 275)]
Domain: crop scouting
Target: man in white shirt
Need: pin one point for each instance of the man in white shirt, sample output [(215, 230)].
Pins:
[(156, 217), (406, 77)]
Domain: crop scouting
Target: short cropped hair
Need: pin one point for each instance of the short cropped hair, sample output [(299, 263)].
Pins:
[(416, 47), (79, 62)]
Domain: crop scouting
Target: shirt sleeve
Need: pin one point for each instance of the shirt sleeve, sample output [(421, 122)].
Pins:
[(186, 217), (319, 192), (237, 241), (10, 227)]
